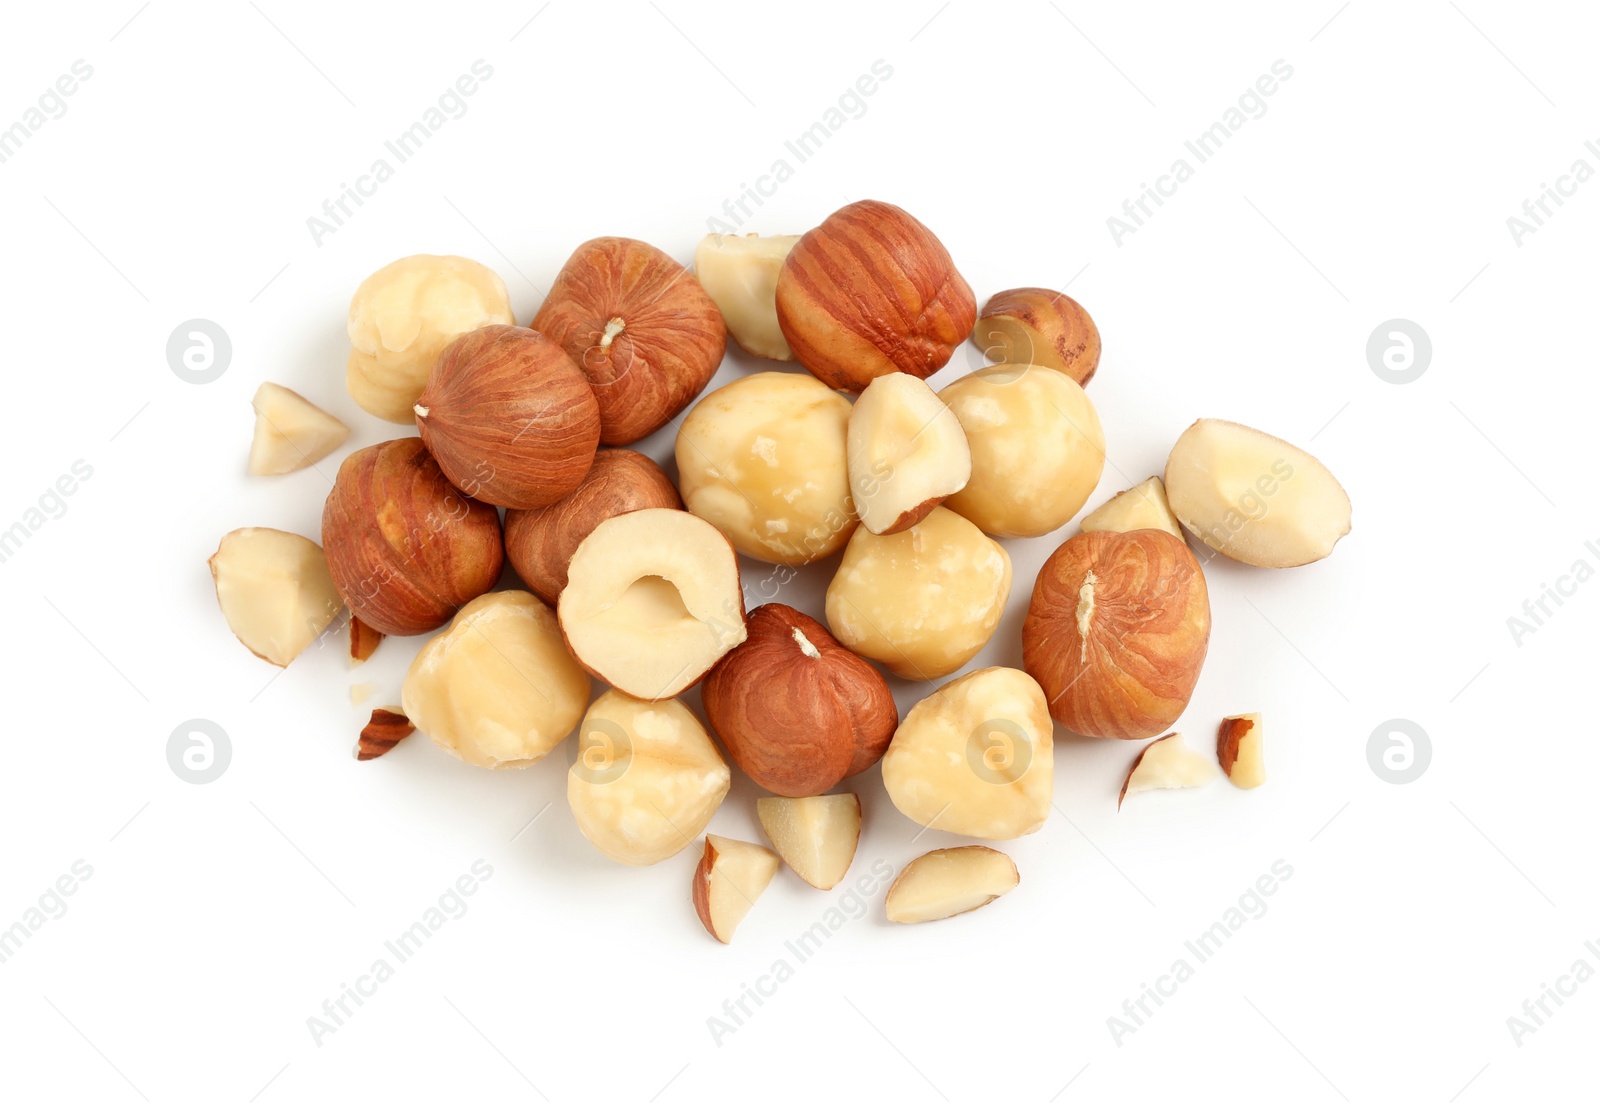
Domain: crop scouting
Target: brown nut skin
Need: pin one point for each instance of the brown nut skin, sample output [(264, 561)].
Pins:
[(798, 724), (640, 327), (1042, 327), (540, 543), (1149, 624), (405, 548), (509, 417), (869, 292)]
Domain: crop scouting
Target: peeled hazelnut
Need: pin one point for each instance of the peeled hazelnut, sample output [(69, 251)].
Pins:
[(646, 780), (740, 274), (405, 548), (540, 543), (1140, 507), (921, 602), (1239, 751), (763, 460), (796, 710), (509, 418), (1253, 497), (1166, 764), (732, 874), (1042, 327), (652, 601), (402, 317), (816, 836), (1116, 632), (869, 292), (291, 432), (641, 328), (948, 882), (907, 452), (975, 757), (274, 590), (1037, 448), (498, 688)]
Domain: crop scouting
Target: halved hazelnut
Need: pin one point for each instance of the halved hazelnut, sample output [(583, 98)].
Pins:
[(947, 882), (291, 432), (275, 591), (1239, 751), (816, 836), (1039, 326), (740, 274), (732, 874), (906, 453), (1166, 764), (652, 601), (1143, 506)]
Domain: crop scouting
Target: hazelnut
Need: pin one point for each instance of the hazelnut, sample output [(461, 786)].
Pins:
[(763, 460), (405, 548), (796, 710), (509, 418), (1240, 752), (540, 543), (646, 779), (869, 292), (740, 274), (291, 432), (1141, 507), (652, 601), (975, 757), (816, 836), (274, 591), (947, 882), (402, 317), (907, 452), (732, 874), (640, 327), (921, 602), (1166, 764), (1116, 632), (1042, 327), (1037, 449)]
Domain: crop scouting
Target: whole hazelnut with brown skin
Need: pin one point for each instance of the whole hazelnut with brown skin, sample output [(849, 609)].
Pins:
[(509, 417), (1042, 327), (405, 548), (869, 292), (539, 543), (640, 327), (796, 710), (1116, 632)]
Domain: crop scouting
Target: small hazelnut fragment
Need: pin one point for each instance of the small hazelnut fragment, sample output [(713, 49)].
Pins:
[(402, 317), (1037, 448), (796, 710), (1254, 497), (869, 292), (763, 460), (646, 779), (1042, 327), (1166, 764), (921, 602), (907, 451), (364, 641), (947, 882), (1116, 632), (498, 688), (274, 590), (640, 327), (732, 874), (405, 548), (816, 836), (291, 432), (740, 274), (1239, 751), (1140, 507), (387, 728), (652, 601), (540, 543)]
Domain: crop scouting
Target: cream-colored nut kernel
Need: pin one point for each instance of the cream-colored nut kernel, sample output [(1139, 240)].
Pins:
[(740, 274), (402, 317), (1037, 448), (1143, 506), (816, 836), (947, 882), (921, 602), (1166, 764), (907, 452), (497, 688), (646, 780), (1240, 750), (731, 875), (291, 432), (763, 460), (275, 591), (975, 757)]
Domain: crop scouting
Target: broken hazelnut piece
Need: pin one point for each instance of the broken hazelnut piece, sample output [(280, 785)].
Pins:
[(275, 591), (732, 874), (652, 601), (1140, 507), (947, 882), (387, 728), (816, 836), (1166, 764), (906, 453), (1253, 497), (291, 432), (1240, 751), (1042, 327), (364, 641), (740, 274)]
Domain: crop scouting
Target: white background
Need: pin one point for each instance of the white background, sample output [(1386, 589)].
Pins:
[(1377, 185)]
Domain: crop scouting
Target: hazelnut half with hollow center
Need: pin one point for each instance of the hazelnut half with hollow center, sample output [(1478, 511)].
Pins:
[(1039, 326), (907, 452), (740, 273)]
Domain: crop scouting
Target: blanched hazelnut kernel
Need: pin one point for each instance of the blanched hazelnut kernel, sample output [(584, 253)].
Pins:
[(763, 460), (923, 601), (402, 317)]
